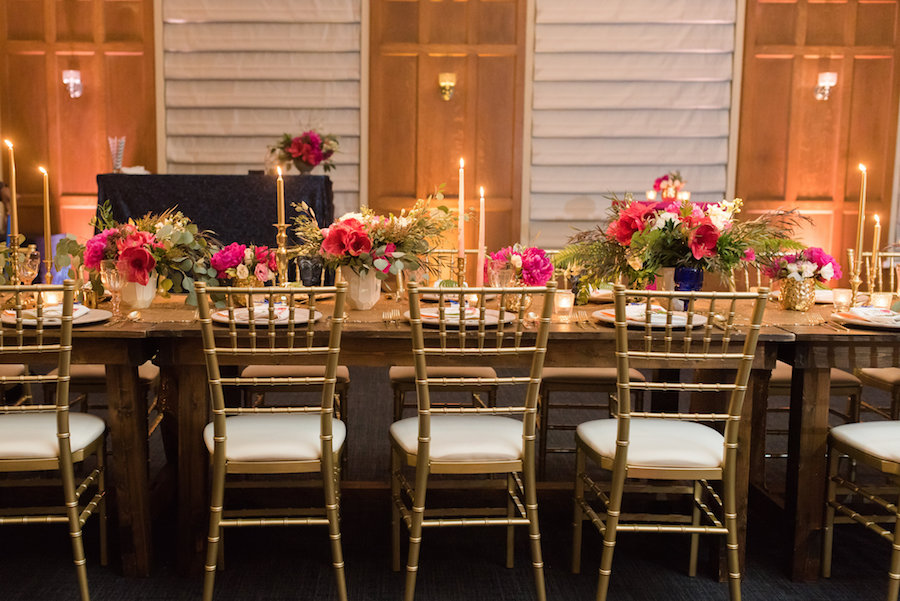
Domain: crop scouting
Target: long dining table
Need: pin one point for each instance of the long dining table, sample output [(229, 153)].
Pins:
[(169, 332)]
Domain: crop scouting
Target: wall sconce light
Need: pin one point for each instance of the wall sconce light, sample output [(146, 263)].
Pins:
[(827, 80), (72, 80), (447, 83)]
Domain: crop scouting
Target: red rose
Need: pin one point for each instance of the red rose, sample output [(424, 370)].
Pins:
[(358, 242), (703, 238), (136, 263), (632, 219), (346, 237)]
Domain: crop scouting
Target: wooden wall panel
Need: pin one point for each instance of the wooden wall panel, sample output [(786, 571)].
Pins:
[(29, 129), (24, 19), (396, 79), (797, 151), (79, 122), (124, 117)]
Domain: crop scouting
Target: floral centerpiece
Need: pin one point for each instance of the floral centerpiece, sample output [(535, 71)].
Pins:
[(669, 185), (374, 247), (528, 266), (643, 238), (306, 150), (799, 273), (167, 247), (245, 265)]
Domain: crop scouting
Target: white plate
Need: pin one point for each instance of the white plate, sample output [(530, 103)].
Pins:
[(261, 316), (491, 317), (601, 295), (81, 315), (635, 315), (879, 319)]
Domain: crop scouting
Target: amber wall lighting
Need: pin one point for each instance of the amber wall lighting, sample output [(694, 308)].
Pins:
[(72, 80), (827, 80), (447, 83)]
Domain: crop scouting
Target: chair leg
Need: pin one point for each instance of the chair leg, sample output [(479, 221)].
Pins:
[(731, 527), (853, 407), (395, 511), (510, 513), (695, 538), (543, 429), (894, 572), (399, 399), (415, 531), (613, 511), (531, 511), (215, 518), (578, 517), (72, 513), (329, 479), (830, 496), (895, 405), (101, 485)]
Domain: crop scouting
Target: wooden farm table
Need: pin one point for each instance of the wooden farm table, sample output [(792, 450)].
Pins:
[(815, 350), (169, 329)]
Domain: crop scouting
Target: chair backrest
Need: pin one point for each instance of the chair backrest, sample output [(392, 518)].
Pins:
[(651, 334), (874, 277), (476, 336), (37, 330), (263, 326)]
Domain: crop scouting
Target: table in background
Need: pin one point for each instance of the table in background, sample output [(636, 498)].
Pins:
[(816, 349), (238, 208)]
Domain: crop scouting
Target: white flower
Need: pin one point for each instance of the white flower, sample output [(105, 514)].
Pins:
[(808, 269), (346, 216), (516, 261), (249, 255), (664, 218), (827, 272), (241, 271), (719, 215)]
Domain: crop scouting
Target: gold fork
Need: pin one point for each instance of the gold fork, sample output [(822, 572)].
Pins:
[(581, 318)]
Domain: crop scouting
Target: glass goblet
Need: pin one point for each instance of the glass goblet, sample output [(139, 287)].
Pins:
[(113, 280), (29, 265)]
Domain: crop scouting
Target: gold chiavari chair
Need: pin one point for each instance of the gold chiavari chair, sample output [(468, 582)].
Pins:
[(876, 445), (670, 446), (441, 263), (284, 438), (883, 378), (470, 440), (47, 437)]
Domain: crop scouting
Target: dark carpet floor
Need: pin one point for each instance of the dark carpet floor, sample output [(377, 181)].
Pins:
[(456, 564)]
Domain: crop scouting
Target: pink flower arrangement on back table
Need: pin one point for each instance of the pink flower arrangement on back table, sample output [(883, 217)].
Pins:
[(306, 150), (130, 247), (239, 261), (811, 262), (531, 265)]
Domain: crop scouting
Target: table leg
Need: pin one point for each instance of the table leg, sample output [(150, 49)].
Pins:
[(128, 439), (189, 394), (757, 403), (805, 492)]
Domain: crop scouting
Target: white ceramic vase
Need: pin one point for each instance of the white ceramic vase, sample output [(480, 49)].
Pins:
[(362, 291), (140, 296)]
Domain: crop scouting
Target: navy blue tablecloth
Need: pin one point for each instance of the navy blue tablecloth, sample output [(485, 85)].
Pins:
[(238, 208)]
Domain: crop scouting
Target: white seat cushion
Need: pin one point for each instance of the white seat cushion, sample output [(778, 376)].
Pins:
[(11, 370), (880, 439), (782, 374), (275, 437), (464, 437), (658, 443), (33, 435), (342, 374)]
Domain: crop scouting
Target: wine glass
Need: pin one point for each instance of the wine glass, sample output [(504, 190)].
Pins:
[(113, 280), (29, 265)]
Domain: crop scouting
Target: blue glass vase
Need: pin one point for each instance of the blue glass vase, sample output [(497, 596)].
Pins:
[(688, 279)]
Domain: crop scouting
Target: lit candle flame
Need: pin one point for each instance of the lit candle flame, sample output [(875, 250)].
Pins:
[(278, 169), (481, 190), (462, 164), (8, 143), (42, 170), (877, 220), (862, 167)]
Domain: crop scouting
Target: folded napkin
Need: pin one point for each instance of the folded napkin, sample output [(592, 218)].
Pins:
[(875, 315), (51, 312), (136, 170), (450, 312), (638, 312), (260, 314)]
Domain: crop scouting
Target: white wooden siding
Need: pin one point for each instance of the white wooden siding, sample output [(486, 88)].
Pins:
[(239, 74), (624, 91)]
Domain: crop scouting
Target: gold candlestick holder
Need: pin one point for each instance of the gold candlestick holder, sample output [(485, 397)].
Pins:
[(48, 264), (855, 279), (460, 271), (281, 253)]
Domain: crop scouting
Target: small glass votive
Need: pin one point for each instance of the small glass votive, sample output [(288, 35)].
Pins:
[(841, 298), (881, 300), (563, 303)]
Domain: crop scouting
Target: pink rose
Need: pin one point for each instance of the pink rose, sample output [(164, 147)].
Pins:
[(749, 255), (95, 249), (136, 263), (134, 237), (228, 257), (346, 237), (536, 267), (703, 238), (262, 272)]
